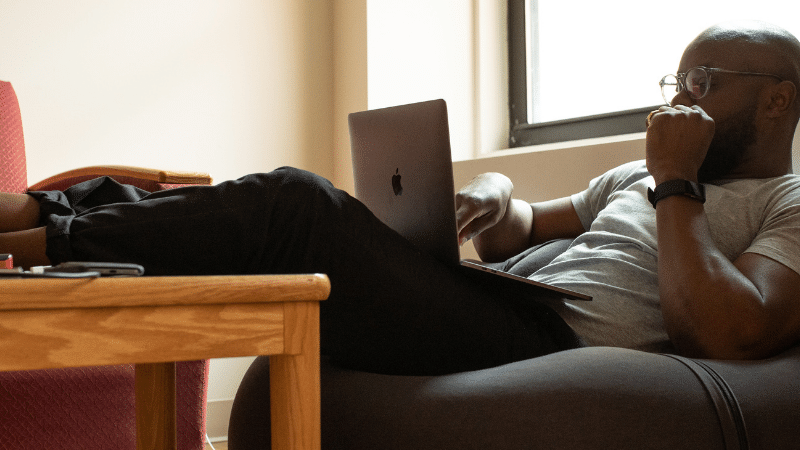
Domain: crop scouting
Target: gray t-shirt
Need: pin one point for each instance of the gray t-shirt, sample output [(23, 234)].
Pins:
[(616, 259)]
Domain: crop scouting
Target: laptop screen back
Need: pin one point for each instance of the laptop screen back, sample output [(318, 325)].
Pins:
[(403, 173)]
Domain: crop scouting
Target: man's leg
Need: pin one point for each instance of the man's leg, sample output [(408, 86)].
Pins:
[(392, 308)]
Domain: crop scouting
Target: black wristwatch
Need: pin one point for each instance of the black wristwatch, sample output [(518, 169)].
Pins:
[(695, 191)]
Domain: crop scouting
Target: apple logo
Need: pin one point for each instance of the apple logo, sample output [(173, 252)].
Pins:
[(398, 188)]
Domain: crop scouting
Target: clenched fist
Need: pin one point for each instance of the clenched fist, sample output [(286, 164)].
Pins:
[(677, 142)]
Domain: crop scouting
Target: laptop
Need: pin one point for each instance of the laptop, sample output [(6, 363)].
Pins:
[(403, 172)]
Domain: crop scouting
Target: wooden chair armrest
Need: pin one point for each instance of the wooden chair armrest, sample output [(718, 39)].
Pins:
[(155, 175)]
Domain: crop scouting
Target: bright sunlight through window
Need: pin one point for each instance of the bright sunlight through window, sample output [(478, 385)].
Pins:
[(591, 57)]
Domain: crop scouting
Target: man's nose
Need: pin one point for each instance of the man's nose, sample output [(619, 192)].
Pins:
[(682, 98)]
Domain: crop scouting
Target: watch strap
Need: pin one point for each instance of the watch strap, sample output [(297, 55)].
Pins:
[(695, 191)]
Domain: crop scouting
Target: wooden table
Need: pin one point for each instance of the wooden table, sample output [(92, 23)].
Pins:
[(155, 321)]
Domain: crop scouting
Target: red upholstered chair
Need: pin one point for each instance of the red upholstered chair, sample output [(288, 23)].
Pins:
[(91, 407)]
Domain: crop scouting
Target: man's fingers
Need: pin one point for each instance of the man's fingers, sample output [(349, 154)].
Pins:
[(653, 114), (474, 228), (702, 112), (465, 216)]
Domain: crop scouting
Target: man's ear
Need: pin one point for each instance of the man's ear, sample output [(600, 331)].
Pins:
[(781, 98)]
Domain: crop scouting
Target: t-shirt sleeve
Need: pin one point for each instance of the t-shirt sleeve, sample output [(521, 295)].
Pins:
[(779, 236), (595, 198)]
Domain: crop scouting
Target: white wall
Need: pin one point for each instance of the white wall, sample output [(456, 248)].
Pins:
[(423, 50), (222, 86), (452, 49), (224, 376), (350, 81)]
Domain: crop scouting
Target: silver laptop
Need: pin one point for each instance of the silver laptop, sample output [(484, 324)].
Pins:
[(403, 173)]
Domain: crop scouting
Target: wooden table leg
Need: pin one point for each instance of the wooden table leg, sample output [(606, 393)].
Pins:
[(156, 427), (295, 382)]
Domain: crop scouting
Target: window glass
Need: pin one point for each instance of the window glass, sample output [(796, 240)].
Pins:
[(595, 57)]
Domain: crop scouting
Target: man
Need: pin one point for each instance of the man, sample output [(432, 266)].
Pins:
[(725, 291), (716, 303)]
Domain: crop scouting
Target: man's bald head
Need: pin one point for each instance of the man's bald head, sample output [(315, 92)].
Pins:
[(755, 46)]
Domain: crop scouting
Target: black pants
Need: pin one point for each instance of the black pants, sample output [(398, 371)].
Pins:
[(392, 308)]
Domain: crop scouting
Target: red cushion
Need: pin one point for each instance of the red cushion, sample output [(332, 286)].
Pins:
[(92, 408), (14, 173)]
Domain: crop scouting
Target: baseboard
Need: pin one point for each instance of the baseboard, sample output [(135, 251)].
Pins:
[(218, 415)]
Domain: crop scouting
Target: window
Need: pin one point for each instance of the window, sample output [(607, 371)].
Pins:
[(581, 69)]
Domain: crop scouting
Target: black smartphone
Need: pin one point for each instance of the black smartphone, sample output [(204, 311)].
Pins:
[(104, 269)]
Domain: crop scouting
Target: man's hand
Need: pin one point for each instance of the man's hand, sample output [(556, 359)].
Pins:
[(485, 212), (502, 227), (677, 142), (481, 204)]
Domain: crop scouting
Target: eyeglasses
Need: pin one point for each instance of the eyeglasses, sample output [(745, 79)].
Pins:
[(696, 81)]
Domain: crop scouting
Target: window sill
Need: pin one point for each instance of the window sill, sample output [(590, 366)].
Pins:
[(601, 143)]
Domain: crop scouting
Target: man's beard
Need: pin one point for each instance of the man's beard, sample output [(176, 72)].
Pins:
[(729, 146)]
